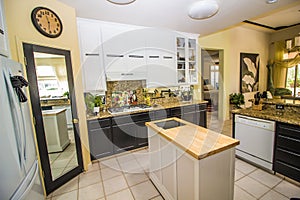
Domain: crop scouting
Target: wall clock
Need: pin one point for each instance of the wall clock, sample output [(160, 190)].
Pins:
[(46, 22)]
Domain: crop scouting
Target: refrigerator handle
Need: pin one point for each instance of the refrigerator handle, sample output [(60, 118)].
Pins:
[(17, 120)]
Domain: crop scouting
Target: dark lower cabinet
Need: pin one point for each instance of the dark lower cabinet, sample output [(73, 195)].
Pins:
[(287, 150), (126, 132), (190, 117), (100, 138), (201, 119), (141, 134), (195, 114), (124, 137)]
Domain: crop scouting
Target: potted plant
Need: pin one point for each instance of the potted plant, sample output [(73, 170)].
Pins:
[(98, 104), (66, 94), (89, 102), (237, 99)]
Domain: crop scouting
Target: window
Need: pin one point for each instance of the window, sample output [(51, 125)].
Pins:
[(214, 76), (293, 80)]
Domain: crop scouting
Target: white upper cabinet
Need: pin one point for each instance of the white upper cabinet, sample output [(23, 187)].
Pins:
[(160, 58), (91, 55), (124, 52), (112, 52)]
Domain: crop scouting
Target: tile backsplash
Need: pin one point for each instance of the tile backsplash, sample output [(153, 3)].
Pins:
[(120, 93)]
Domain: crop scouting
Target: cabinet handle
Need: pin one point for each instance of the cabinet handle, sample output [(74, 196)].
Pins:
[(75, 121), (115, 55), (1, 31), (153, 56), (135, 56), (92, 54), (127, 74), (167, 57)]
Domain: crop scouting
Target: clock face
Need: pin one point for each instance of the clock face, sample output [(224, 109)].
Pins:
[(46, 22)]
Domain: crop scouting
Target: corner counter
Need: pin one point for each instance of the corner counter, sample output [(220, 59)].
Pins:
[(288, 114), (191, 162)]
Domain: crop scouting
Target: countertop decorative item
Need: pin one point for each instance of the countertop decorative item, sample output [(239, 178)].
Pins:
[(237, 99), (47, 22)]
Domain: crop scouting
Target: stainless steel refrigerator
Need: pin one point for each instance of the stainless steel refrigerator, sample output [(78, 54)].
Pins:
[(19, 169)]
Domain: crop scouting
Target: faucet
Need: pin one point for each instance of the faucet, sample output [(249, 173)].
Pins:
[(162, 91)]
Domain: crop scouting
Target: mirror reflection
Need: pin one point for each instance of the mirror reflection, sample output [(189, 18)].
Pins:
[(56, 111)]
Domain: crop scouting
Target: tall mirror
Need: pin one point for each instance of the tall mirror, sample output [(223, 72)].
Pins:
[(52, 96), (56, 111)]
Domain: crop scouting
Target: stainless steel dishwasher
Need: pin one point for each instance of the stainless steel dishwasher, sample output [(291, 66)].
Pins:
[(256, 140)]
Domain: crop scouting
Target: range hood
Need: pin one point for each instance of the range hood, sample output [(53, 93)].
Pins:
[(124, 76)]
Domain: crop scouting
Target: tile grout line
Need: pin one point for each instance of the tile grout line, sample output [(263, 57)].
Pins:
[(125, 178), (101, 178), (246, 192)]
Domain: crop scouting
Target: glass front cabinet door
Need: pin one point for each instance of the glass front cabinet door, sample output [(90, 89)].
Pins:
[(187, 62)]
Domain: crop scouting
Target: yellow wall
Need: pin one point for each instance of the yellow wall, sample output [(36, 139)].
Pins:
[(233, 41), (20, 29)]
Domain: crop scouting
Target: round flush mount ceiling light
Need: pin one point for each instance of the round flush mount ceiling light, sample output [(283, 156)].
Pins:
[(121, 2), (271, 1), (203, 9)]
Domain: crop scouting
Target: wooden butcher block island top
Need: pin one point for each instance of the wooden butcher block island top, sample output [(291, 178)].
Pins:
[(197, 141)]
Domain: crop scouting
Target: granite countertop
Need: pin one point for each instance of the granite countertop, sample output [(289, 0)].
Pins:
[(288, 102), (53, 112), (197, 141), (106, 114), (270, 114), (55, 102)]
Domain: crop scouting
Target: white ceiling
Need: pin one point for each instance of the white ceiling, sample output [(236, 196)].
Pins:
[(172, 14)]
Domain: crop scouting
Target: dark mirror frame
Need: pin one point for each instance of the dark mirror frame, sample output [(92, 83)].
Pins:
[(29, 50)]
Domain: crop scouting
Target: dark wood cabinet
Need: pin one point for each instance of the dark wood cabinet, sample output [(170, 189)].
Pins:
[(287, 150), (100, 138), (160, 114), (176, 112), (141, 130), (129, 131), (141, 135), (195, 114), (123, 137)]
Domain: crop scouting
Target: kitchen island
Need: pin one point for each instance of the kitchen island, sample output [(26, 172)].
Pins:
[(56, 131), (190, 162)]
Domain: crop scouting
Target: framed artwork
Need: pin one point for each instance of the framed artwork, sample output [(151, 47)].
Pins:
[(249, 72)]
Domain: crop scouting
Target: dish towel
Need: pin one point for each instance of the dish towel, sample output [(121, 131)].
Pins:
[(18, 82)]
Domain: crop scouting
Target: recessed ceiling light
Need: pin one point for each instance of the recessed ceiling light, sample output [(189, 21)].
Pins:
[(203, 9), (121, 2), (271, 1)]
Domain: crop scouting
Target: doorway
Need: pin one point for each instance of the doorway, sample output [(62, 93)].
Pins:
[(52, 95), (212, 70)]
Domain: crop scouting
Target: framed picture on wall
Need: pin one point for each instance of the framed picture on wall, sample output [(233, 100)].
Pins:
[(249, 72)]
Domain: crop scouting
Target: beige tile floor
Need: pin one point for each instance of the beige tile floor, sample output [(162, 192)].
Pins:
[(62, 162), (126, 177)]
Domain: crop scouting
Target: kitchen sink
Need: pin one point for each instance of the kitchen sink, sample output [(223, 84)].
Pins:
[(169, 124), (130, 108)]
